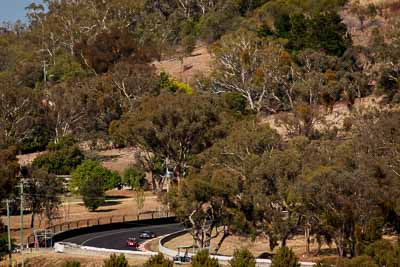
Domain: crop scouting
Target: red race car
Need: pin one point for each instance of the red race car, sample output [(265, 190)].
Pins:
[(132, 242)]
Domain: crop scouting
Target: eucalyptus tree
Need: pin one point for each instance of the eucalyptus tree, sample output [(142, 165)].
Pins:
[(18, 106), (173, 128)]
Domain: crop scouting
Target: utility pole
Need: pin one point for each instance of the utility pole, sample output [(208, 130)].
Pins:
[(9, 232), (21, 233)]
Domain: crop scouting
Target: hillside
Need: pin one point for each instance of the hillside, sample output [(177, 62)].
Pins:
[(168, 105)]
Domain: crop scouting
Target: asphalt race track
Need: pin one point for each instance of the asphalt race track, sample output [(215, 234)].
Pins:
[(116, 239)]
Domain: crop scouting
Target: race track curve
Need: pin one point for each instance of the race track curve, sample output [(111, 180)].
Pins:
[(116, 239)]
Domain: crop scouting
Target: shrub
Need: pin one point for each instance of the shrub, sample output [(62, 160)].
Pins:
[(90, 179), (117, 136), (65, 142), (89, 170), (388, 82), (189, 44), (322, 32), (182, 87), (62, 161), (158, 261), (72, 264), (285, 258), (66, 67), (92, 192), (235, 102), (37, 141), (323, 264), (363, 261), (116, 261), (135, 177), (383, 253), (243, 258), (172, 85), (347, 124), (202, 259), (3, 245)]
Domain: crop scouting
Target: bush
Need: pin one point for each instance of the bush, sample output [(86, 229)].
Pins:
[(383, 253), (72, 264), (91, 180), (363, 261), (60, 162), (388, 83), (285, 258), (3, 245), (323, 264), (116, 261), (89, 170), (63, 157), (322, 32), (92, 192), (135, 177), (65, 142), (235, 102), (158, 261), (189, 44), (38, 140), (243, 258), (202, 259), (166, 83), (66, 67)]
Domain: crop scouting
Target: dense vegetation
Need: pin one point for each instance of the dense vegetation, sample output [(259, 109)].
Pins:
[(81, 72)]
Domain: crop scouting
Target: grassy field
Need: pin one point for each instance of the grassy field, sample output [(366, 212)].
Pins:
[(258, 247)]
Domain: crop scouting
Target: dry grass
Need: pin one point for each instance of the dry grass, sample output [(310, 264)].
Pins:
[(389, 11), (153, 245), (376, 2), (257, 247), (52, 259), (198, 63), (333, 118), (113, 159), (117, 159)]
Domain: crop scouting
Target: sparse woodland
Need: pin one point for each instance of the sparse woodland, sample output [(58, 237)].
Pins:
[(82, 71)]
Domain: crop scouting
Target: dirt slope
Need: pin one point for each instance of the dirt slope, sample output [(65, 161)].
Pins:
[(187, 69)]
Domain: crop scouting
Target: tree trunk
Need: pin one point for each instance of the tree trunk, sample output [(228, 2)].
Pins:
[(153, 182), (340, 248), (32, 219), (283, 244), (307, 237), (218, 247)]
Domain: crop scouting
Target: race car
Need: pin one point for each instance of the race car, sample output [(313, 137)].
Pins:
[(147, 235), (132, 242)]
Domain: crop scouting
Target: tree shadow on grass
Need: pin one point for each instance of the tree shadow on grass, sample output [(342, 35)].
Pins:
[(265, 255), (116, 197), (106, 204), (104, 210), (111, 203)]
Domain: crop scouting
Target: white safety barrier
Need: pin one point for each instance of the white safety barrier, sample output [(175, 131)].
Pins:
[(62, 246)]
